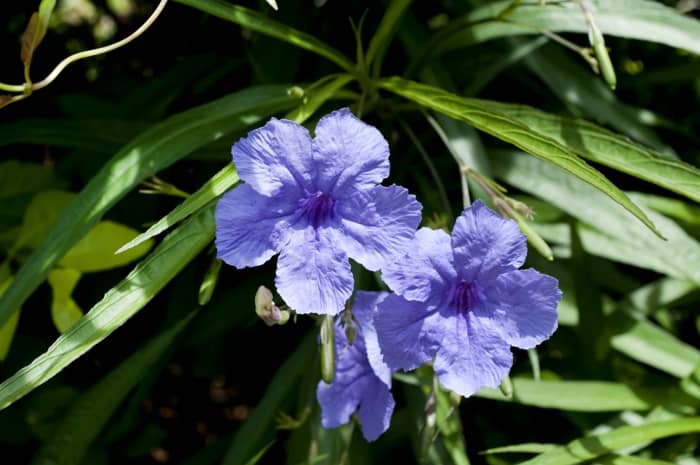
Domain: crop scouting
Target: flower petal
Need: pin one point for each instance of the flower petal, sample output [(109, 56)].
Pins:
[(426, 272), (409, 334), (355, 385), (471, 355), (274, 157), (376, 407), (486, 244), (312, 275), (523, 306), (338, 401), (377, 225), (364, 309), (350, 154), (251, 228)]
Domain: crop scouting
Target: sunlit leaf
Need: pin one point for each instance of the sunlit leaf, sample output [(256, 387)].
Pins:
[(588, 448), (116, 307), (91, 411), (153, 150), (489, 117), (36, 30), (64, 311)]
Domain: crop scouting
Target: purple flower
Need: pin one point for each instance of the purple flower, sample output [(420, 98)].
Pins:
[(316, 202), (362, 380), (462, 300)]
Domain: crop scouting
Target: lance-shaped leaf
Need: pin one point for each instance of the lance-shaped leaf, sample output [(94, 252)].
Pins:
[(148, 153), (116, 307), (35, 32), (582, 450), (633, 19), (486, 116)]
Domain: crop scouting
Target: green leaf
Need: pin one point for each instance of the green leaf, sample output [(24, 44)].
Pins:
[(385, 32), (116, 307), (527, 448), (631, 460), (18, 177), (35, 32), (482, 115), (7, 331), (99, 136), (316, 95), (261, 453), (602, 146), (94, 252), (589, 95), (97, 250), (64, 311), (633, 19), (577, 396), (212, 189), (41, 214), (608, 230), (649, 344), (588, 448), (150, 152), (674, 208), (88, 415), (260, 23), (258, 427)]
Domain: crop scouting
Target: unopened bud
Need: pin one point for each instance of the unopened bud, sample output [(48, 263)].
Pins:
[(507, 387), (267, 310), (295, 91)]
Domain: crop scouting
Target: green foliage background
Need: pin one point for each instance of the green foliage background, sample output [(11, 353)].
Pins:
[(472, 96)]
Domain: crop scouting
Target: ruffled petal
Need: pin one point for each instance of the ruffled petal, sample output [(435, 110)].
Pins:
[(251, 228), (275, 157), (409, 334), (426, 272), (486, 244), (338, 401), (523, 306), (376, 407), (313, 276), (377, 225), (472, 355), (355, 386), (350, 154), (364, 309)]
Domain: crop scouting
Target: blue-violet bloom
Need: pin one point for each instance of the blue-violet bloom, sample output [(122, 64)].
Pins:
[(362, 380), (463, 301), (316, 202)]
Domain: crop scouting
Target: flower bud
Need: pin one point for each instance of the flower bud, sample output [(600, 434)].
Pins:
[(267, 310)]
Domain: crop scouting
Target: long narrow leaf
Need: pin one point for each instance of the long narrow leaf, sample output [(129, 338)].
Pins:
[(607, 148), (261, 23), (581, 450), (153, 150), (210, 190), (578, 396), (116, 307), (634, 19), (483, 116), (89, 414)]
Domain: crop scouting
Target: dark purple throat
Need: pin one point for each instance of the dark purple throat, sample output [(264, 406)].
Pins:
[(318, 208)]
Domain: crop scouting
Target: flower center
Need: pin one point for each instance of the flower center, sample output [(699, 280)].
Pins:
[(318, 208), (465, 295)]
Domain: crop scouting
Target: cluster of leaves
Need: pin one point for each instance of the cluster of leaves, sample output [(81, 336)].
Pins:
[(615, 197)]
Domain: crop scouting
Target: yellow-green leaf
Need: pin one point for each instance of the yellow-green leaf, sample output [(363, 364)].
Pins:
[(7, 331), (36, 30), (64, 311), (96, 251)]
